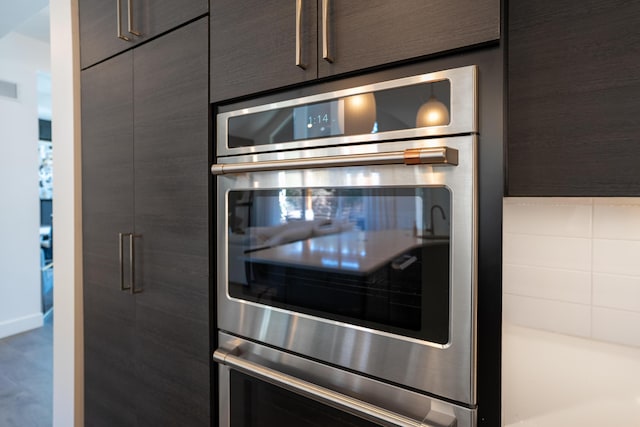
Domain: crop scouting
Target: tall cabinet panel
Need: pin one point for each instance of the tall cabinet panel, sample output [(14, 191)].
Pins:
[(100, 27), (253, 45), (359, 34), (171, 217), (107, 204), (145, 172)]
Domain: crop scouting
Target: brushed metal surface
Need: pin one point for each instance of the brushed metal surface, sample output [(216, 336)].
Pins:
[(414, 156), (389, 404), (121, 260), (463, 111), (326, 55), (447, 370), (130, 19), (299, 35), (337, 400), (119, 22)]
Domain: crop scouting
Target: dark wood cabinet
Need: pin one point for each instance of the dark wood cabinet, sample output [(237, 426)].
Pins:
[(253, 45), (254, 49), (107, 206), (99, 24), (145, 171), (573, 91), (368, 33)]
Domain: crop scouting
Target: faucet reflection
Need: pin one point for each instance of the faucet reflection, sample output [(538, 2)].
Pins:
[(431, 230)]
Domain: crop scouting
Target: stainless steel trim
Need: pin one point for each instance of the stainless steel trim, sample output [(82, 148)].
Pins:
[(439, 155), (121, 260), (299, 35), (446, 370), (130, 19), (119, 22), (132, 265), (321, 394), (463, 112), (404, 407), (326, 55)]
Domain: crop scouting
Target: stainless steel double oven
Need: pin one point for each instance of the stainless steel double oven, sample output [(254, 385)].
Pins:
[(346, 257)]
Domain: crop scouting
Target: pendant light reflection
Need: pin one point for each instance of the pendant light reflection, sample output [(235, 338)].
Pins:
[(432, 113), (360, 113)]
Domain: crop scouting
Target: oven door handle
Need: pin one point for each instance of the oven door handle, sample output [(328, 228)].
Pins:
[(412, 156), (320, 394)]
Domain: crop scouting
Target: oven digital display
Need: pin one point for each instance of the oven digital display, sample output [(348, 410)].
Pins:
[(318, 120)]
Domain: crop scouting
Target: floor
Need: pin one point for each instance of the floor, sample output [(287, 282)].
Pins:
[(26, 378)]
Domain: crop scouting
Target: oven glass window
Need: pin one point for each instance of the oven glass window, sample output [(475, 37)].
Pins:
[(255, 403), (375, 257), (405, 107)]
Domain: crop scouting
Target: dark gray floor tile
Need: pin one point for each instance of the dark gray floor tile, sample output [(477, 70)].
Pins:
[(26, 379)]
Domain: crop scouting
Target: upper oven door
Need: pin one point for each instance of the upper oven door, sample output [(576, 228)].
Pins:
[(369, 267)]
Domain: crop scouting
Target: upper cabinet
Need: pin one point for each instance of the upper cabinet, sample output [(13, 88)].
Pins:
[(257, 45), (573, 90), (110, 27)]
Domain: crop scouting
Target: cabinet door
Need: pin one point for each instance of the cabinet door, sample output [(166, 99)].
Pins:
[(368, 33), (171, 217), (99, 30), (107, 209), (253, 45), (99, 23), (573, 92)]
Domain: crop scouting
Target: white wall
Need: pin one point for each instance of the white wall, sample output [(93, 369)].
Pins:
[(20, 301), (571, 311), (68, 367)]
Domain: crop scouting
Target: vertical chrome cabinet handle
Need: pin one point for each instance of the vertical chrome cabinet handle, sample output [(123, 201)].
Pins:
[(119, 22), (130, 20), (132, 264), (299, 35), (121, 259), (325, 31)]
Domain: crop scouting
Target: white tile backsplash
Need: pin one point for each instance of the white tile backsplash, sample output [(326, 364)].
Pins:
[(561, 219), (550, 315), (616, 221), (618, 292), (616, 257), (573, 266), (569, 253), (538, 282), (618, 326)]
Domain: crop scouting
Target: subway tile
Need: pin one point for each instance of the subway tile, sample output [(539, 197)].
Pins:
[(550, 200), (617, 326), (616, 221), (616, 257), (568, 253), (557, 219), (628, 201), (561, 285), (554, 316), (618, 292)]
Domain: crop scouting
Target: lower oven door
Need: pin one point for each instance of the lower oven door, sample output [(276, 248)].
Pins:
[(264, 387), (366, 266)]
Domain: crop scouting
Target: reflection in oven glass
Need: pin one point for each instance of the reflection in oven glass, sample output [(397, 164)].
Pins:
[(386, 110), (375, 257)]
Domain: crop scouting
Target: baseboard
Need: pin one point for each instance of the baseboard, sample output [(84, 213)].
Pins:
[(20, 324)]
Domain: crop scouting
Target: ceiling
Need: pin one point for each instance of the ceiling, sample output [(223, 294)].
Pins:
[(27, 17)]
